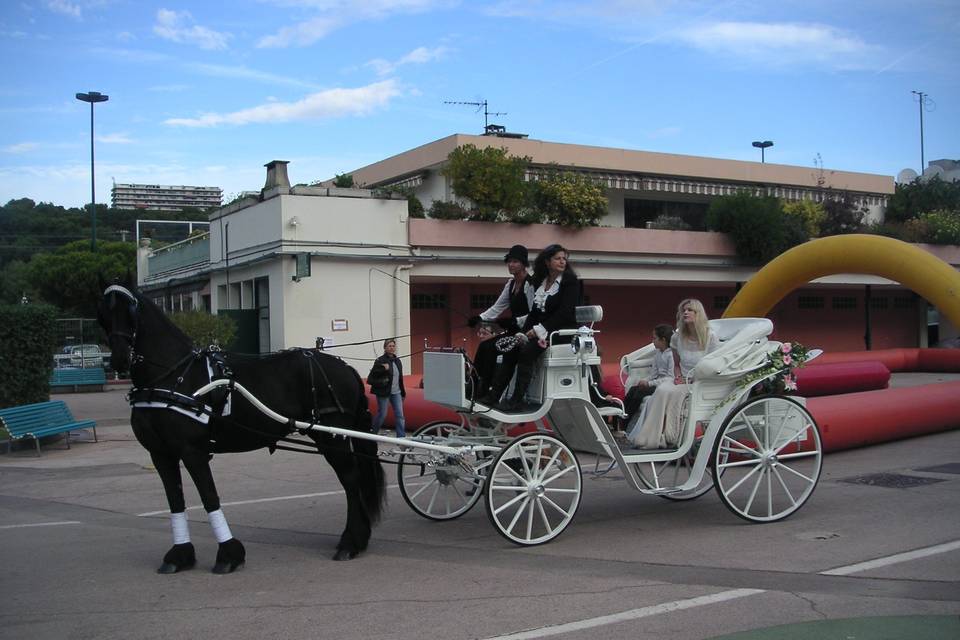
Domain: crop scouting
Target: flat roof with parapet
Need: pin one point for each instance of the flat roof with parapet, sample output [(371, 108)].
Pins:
[(622, 161)]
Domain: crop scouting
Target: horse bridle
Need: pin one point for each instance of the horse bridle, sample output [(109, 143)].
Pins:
[(134, 313)]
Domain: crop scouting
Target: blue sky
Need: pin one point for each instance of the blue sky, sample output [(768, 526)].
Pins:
[(207, 92)]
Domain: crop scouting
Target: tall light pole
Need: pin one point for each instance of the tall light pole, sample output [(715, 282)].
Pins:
[(921, 99), (92, 97), (763, 147)]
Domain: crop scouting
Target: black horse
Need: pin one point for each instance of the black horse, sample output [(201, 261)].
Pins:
[(302, 384)]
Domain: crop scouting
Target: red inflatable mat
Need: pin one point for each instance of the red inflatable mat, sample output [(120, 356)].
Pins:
[(842, 377)]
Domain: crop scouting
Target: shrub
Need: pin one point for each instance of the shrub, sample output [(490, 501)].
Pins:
[(758, 226), (525, 215), (491, 179), (205, 329), (918, 197), (343, 180), (569, 199), (810, 214), (843, 215), (27, 342), (942, 226), (442, 210)]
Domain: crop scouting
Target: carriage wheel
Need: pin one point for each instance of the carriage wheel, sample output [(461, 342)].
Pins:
[(534, 489), (673, 473), (768, 457), (444, 490)]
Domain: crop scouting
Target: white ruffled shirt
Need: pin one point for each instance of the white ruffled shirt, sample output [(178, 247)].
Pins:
[(540, 302)]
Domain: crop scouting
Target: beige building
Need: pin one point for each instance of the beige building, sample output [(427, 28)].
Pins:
[(376, 273)]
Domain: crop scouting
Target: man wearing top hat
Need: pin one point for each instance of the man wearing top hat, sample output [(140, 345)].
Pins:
[(517, 296)]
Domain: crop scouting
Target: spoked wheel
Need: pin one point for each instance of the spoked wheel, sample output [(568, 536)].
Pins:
[(534, 488), (442, 489), (768, 457), (673, 473)]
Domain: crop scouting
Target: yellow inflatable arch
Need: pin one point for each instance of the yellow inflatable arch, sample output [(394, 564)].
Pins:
[(895, 260)]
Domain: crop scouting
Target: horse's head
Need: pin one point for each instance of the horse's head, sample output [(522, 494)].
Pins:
[(118, 312)]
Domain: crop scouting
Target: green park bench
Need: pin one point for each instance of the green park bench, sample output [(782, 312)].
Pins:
[(39, 420), (90, 379)]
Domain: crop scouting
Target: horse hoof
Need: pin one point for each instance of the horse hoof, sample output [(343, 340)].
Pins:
[(180, 557), (230, 556), (226, 567), (345, 554)]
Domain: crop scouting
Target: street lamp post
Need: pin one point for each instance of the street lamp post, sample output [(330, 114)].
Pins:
[(92, 97), (763, 147)]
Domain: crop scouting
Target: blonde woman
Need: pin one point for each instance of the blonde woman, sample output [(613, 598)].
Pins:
[(659, 425)]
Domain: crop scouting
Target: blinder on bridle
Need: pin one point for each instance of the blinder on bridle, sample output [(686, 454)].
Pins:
[(133, 308)]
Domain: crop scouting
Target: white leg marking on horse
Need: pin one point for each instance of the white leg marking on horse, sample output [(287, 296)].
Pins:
[(221, 530), (181, 529)]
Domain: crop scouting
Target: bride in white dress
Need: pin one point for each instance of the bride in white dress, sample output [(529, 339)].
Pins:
[(659, 424)]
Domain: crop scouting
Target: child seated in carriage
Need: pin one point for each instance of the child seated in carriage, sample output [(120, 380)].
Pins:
[(661, 371), (659, 424)]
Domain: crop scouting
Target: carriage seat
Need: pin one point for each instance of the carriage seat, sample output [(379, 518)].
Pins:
[(743, 348)]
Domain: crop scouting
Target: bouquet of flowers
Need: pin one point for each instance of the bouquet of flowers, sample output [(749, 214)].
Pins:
[(784, 362)]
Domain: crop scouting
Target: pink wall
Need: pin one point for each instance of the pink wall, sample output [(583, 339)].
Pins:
[(630, 313)]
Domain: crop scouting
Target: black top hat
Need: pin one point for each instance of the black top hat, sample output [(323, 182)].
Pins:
[(517, 252)]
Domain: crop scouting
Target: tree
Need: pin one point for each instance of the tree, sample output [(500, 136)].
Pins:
[(69, 277), (491, 179), (843, 214), (569, 199), (343, 180), (810, 214), (757, 224), (206, 329), (911, 200)]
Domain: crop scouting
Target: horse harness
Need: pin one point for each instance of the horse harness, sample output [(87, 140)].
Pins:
[(153, 396)]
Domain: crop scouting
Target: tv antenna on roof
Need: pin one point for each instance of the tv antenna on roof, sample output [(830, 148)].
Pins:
[(486, 113)]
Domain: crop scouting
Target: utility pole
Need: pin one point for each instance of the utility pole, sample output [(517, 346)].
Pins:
[(921, 99)]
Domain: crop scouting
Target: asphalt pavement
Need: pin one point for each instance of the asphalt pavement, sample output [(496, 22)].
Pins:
[(874, 554)]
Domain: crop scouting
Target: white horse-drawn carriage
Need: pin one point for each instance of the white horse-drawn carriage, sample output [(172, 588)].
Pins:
[(762, 452)]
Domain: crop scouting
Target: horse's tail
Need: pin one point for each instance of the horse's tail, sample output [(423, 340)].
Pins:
[(373, 482)]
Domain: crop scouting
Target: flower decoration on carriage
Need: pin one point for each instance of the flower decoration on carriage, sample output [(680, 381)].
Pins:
[(778, 375), (783, 362)]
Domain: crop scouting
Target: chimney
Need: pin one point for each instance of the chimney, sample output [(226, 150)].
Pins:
[(276, 177)]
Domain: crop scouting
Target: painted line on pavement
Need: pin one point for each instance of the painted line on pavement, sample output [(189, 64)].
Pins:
[(894, 559), (40, 524), (679, 605), (633, 614)]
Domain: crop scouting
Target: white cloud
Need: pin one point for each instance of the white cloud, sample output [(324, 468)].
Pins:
[(245, 73), (334, 14), (126, 36), (780, 43), (178, 26), (300, 35), (420, 55), (115, 138), (64, 7), (20, 147), (331, 103)]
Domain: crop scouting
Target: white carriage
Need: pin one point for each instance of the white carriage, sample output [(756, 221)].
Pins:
[(762, 452)]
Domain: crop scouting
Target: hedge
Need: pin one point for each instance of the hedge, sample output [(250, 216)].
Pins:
[(27, 343)]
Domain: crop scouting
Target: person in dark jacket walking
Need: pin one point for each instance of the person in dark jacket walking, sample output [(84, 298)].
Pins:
[(386, 383)]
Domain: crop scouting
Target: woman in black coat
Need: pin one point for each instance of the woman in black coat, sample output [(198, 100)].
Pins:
[(558, 292), (386, 382)]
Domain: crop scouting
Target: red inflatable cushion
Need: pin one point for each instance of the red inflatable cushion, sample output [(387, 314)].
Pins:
[(842, 377)]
